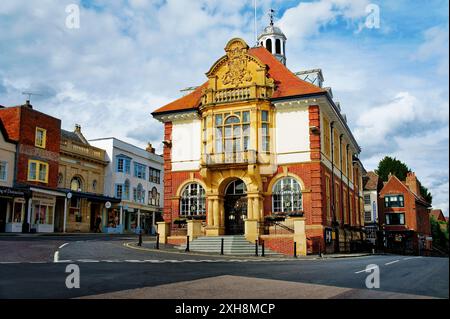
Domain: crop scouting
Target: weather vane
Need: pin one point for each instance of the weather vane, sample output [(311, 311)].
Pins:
[(272, 16)]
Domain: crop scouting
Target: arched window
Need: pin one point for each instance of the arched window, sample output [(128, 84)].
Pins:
[(140, 194), (193, 200), (269, 45), (126, 190), (60, 180), (232, 133), (287, 196), (278, 46), (76, 184), (154, 196)]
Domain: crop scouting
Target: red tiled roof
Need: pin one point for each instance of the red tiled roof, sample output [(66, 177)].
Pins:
[(11, 118), (372, 181), (437, 213), (287, 84)]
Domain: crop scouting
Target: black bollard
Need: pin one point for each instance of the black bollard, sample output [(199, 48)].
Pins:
[(140, 238), (295, 249), (221, 246), (187, 244), (256, 248), (157, 240), (263, 254)]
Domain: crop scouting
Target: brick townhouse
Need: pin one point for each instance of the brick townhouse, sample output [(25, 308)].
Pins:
[(38, 144), (405, 215)]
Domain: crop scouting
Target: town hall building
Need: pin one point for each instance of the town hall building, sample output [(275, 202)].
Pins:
[(258, 146)]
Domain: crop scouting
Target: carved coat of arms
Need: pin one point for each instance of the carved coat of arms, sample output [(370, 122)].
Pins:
[(237, 73)]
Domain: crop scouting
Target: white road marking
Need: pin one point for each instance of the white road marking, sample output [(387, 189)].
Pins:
[(392, 262), (365, 270), (65, 261), (56, 257), (88, 261), (409, 258), (9, 262), (63, 245)]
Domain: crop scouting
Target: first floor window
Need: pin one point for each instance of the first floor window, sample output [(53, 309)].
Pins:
[(394, 201), (287, 196), (193, 200), (366, 199), (155, 176), (3, 171), (119, 191), (153, 197), (139, 194), (395, 219), (37, 171)]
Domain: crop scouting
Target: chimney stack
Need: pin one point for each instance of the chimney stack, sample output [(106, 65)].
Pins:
[(77, 128), (412, 183), (150, 148), (28, 104)]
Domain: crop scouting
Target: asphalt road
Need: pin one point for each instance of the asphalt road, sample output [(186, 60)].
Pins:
[(107, 266)]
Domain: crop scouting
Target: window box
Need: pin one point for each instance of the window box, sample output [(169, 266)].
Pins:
[(296, 214), (180, 222), (196, 217), (275, 218)]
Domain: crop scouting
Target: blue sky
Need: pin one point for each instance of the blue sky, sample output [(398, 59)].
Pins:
[(131, 56)]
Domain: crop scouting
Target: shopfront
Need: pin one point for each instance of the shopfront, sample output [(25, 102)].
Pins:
[(42, 210), (12, 209)]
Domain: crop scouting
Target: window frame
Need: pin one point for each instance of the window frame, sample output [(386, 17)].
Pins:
[(395, 214), (140, 170), (5, 166), (398, 204), (38, 171), (43, 141), (281, 194), (186, 201), (243, 126)]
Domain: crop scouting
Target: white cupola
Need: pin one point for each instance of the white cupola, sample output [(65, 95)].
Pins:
[(274, 40)]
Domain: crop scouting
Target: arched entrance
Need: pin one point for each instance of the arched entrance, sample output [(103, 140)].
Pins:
[(235, 208)]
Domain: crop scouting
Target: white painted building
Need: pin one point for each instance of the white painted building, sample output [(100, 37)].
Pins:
[(135, 176)]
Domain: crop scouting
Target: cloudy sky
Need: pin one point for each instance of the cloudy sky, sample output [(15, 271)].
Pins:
[(131, 56)]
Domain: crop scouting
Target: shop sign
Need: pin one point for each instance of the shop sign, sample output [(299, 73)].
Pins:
[(11, 192), (108, 205), (328, 235)]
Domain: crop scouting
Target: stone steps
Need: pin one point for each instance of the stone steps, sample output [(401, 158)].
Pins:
[(233, 245)]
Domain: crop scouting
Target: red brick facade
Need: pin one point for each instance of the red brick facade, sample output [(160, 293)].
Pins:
[(314, 200), (21, 122)]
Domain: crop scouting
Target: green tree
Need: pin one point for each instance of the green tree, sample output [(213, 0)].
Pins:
[(389, 165), (439, 231)]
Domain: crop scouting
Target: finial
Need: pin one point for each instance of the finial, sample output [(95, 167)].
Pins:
[(272, 17)]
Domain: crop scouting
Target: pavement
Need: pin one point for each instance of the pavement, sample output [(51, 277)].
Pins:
[(109, 268)]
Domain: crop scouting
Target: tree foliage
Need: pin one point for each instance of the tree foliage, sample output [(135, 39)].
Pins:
[(389, 165), (439, 231)]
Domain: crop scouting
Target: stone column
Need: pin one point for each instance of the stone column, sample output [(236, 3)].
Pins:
[(250, 208), (216, 213), (210, 213)]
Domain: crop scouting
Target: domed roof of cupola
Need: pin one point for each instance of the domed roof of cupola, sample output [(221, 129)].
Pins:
[(272, 30)]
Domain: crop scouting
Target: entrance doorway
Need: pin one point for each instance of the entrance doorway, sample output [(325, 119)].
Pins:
[(235, 208)]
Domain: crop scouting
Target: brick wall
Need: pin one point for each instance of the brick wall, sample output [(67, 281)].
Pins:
[(283, 244)]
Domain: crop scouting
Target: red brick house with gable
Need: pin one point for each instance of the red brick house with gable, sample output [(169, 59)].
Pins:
[(38, 141), (405, 215)]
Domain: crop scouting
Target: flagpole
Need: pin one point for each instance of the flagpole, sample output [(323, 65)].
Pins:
[(256, 26)]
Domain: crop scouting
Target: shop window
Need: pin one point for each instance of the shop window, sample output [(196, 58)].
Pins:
[(18, 213), (193, 200), (43, 214), (287, 196), (41, 137)]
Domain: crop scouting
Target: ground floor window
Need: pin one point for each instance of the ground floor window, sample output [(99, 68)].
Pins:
[(42, 213), (395, 219), (18, 213), (193, 200), (287, 196)]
